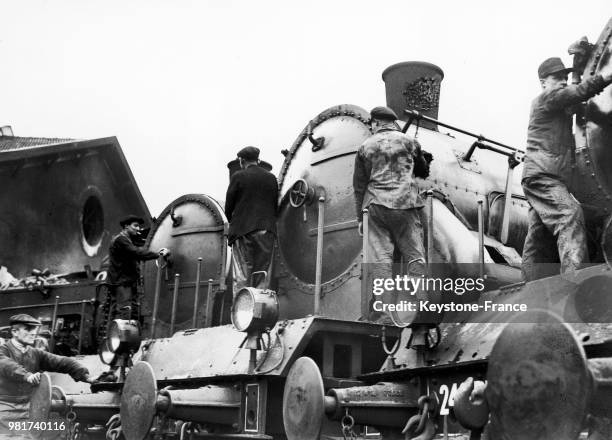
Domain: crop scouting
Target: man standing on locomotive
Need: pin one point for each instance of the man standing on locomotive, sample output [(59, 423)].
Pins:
[(20, 368), (383, 182), (556, 221), (125, 253), (251, 207)]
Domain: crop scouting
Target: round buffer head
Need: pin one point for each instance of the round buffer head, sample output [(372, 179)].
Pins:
[(303, 401), (138, 400), (538, 380)]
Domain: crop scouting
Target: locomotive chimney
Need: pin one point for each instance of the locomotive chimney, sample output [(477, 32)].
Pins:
[(414, 85)]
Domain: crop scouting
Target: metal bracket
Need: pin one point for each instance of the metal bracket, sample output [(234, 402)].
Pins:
[(471, 165), (317, 143), (176, 219)]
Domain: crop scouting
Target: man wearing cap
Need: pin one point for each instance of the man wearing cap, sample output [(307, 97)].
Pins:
[(124, 255), (20, 368), (383, 182), (250, 206), (556, 221)]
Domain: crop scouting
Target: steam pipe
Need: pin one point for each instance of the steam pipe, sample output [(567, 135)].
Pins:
[(468, 156), (209, 303), (480, 239), (177, 279), (81, 326), (507, 200), (366, 231), (196, 295), (365, 268), (53, 321), (430, 231), (416, 115), (319, 267), (156, 296)]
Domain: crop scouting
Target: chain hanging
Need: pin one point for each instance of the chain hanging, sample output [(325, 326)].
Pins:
[(188, 430), (421, 424), (70, 424), (347, 423), (113, 427)]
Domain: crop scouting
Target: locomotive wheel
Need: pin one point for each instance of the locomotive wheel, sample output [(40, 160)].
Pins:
[(539, 384), (138, 400), (303, 401)]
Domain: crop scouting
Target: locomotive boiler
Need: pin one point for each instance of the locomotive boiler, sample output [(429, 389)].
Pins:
[(296, 363), (316, 181)]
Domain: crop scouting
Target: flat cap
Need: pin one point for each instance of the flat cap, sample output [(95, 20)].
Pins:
[(551, 66), (131, 219), (249, 153), (22, 318), (383, 113)]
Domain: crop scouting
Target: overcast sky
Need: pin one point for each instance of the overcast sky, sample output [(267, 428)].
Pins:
[(185, 84)]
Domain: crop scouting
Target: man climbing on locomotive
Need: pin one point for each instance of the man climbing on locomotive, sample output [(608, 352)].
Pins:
[(125, 253), (556, 221), (20, 368), (383, 182), (251, 208)]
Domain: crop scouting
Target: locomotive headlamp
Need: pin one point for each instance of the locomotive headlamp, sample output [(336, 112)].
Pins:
[(124, 336), (254, 310), (123, 339)]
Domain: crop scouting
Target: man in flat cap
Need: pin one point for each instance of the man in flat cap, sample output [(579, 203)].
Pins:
[(556, 222), (20, 368), (384, 182), (250, 206), (125, 253), (234, 165)]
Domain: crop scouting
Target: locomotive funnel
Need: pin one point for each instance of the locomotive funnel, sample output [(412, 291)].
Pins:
[(414, 85)]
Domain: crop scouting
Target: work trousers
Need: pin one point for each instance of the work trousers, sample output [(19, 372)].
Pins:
[(14, 409), (252, 253), (556, 230), (126, 295), (391, 229), (396, 228)]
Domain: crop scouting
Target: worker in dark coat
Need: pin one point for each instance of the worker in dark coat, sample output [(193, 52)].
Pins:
[(384, 182), (556, 221), (251, 207), (20, 368), (125, 254)]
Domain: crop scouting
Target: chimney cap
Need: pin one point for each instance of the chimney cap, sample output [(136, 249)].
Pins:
[(413, 64)]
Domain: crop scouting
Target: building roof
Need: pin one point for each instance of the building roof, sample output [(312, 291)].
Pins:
[(17, 152), (13, 143)]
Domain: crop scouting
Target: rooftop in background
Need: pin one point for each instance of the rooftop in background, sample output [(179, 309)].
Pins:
[(9, 142), (70, 194)]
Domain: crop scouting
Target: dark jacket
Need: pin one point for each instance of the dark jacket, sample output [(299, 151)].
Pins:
[(550, 142), (383, 173), (16, 366), (124, 257), (251, 202)]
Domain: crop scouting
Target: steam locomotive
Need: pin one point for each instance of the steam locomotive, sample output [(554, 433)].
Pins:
[(295, 362)]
